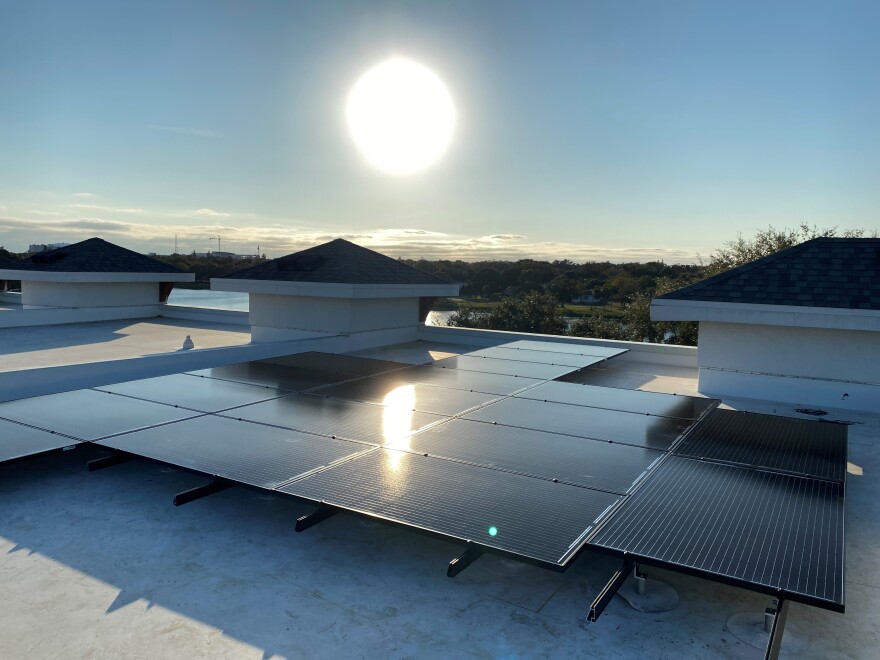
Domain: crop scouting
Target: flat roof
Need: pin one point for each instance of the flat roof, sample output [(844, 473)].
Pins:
[(105, 565)]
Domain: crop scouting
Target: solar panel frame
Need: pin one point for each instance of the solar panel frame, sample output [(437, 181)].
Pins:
[(623, 400), (505, 367), (611, 467), (202, 395), (370, 485), (596, 424), (351, 420), (539, 357), (647, 527), (470, 381), (782, 444), (247, 453), (264, 374), (561, 347), (119, 414), (19, 441)]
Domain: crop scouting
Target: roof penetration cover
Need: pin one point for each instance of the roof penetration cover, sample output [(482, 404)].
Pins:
[(93, 255), (824, 272), (338, 261)]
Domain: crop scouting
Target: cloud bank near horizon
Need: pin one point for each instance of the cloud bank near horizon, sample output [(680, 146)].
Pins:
[(279, 239)]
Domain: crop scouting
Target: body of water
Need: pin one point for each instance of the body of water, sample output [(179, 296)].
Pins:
[(239, 302), (211, 299)]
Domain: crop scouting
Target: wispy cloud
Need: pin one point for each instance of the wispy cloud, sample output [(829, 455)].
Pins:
[(110, 209), (184, 130), (83, 194), (208, 213)]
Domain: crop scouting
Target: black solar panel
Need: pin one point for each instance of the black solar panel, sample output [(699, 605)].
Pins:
[(529, 517), (466, 380), (292, 379), (506, 367), (388, 391), (667, 405), (18, 441), (800, 446), (600, 465), (333, 362), (203, 394), (541, 357), (248, 453), (89, 414), (628, 428), (560, 347), (763, 528), (344, 419)]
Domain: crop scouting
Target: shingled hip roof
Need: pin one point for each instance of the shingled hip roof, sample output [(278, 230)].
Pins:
[(93, 255), (842, 273), (337, 262)]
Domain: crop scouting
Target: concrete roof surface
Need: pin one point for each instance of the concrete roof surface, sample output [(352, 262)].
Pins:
[(338, 261), (93, 255), (823, 272), (79, 343)]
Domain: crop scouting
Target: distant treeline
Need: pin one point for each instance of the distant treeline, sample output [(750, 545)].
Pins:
[(562, 279), (207, 267)]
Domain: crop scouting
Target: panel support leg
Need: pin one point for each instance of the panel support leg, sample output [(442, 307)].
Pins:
[(777, 629), (116, 458), (199, 492), (471, 553), (609, 590), (311, 519)]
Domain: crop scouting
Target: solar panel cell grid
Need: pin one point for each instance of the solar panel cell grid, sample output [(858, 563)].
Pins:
[(18, 441), (777, 443), (763, 528), (530, 517), (506, 367), (610, 425), (560, 347), (666, 405), (291, 379), (252, 454), (466, 380), (541, 357), (427, 398)]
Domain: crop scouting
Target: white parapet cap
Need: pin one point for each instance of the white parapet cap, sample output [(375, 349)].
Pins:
[(334, 289), (73, 277), (796, 316)]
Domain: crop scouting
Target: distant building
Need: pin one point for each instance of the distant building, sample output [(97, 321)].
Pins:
[(34, 248), (586, 298), (799, 326)]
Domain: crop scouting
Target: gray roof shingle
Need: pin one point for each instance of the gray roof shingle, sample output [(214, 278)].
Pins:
[(93, 255), (338, 261), (823, 272)]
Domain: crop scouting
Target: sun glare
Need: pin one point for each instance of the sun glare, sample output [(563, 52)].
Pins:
[(401, 116)]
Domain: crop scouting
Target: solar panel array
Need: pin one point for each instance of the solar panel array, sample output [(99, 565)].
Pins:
[(488, 448)]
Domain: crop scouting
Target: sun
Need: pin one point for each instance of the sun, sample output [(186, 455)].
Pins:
[(401, 116)]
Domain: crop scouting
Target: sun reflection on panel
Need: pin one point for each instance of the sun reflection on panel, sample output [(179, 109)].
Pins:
[(397, 420)]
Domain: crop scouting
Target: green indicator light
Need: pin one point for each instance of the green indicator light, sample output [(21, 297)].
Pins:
[(493, 530)]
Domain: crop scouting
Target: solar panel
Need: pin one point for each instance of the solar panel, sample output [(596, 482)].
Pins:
[(750, 527), (345, 419), (334, 362), (541, 357), (388, 391), (89, 414), (597, 423), (600, 465), (560, 347), (292, 379), (466, 380), (203, 394), (666, 405), (800, 446), (248, 453), (533, 518), (18, 441), (506, 367)]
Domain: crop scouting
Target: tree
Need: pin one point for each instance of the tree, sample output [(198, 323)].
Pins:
[(533, 312)]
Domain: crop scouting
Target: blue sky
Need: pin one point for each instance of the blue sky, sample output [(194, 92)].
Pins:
[(587, 130)]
